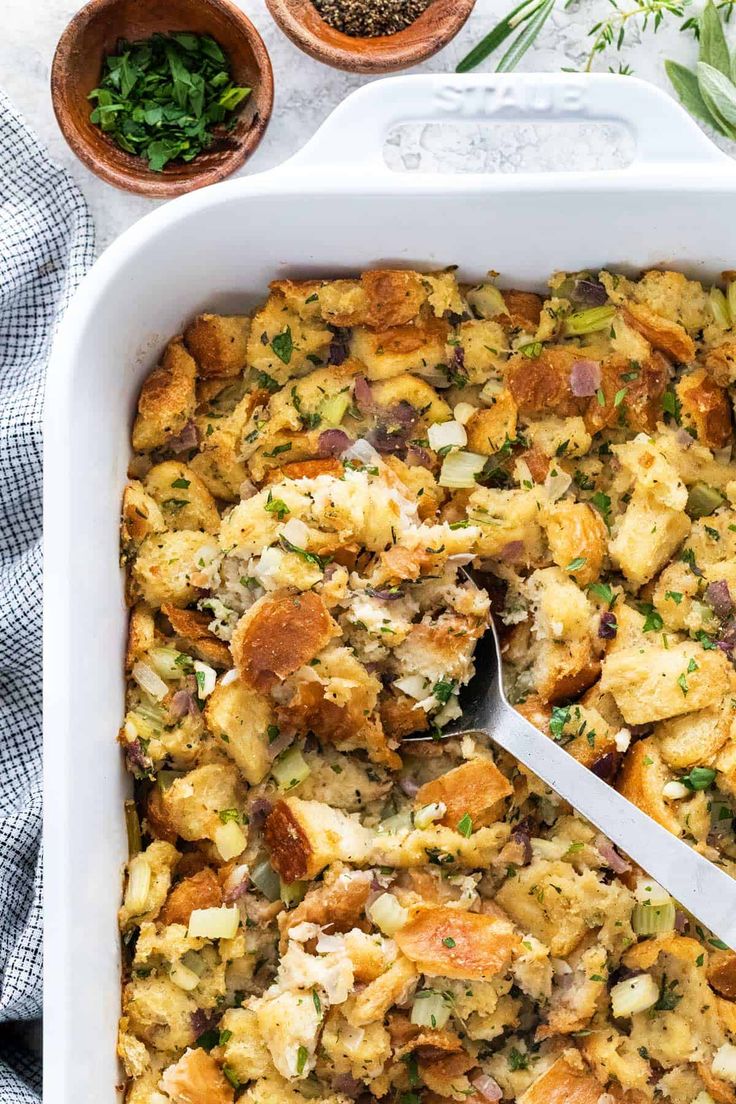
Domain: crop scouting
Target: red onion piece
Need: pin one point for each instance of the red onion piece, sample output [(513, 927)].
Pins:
[(606, 767), (386, 594), (607, 626), (727, 639), (610, 855), (281, 743), (410, 788), (391, 434), (339, 346), (521, 835), (182, 703), (512, 552), (585, 378), (363, 396), (417, 457), (333, 442), (187, 439), (230, 896), (487, 1087), (718, 597), (258, 810), (591, 292), (345, 1083), (681, 922), (684, 439), (136, 757)]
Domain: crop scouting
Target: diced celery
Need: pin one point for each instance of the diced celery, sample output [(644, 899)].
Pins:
[(719, 307), (164, 662), (703, 500), (290, 769), (139, 883), (214, 923), (589, 321), (400, 822), (332, 409), (133, 828), (292, 894), (653, 919), (634, 995), (265, 878), (387, 914)]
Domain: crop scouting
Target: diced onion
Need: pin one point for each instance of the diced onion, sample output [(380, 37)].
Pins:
[(292, 893), (414, 685), (651, 893), (724, 1062), (675, 791), (459, 469), (703, 500), (230, 840), (182, 976), (653, 919), (428, 814), (296, 532), (463, 412), (556, 483), (490, 391), (387, 914), (214, 923), (622, 739), (149, 681), (634, 995), (164, 662), (206, 677), (430, 1009), (401, 822), (265, 878), (194, 962), (446, 435), (139, 883), (548, 848), (487, 301), (719, 306), (290, 769)]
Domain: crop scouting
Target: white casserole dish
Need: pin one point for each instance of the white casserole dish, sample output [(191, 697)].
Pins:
[(334, 208)]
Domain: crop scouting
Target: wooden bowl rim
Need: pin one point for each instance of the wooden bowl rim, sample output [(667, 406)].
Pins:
[(136, 177), (302, 23)]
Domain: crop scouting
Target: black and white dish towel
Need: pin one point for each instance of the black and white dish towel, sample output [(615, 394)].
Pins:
[(46, 246)]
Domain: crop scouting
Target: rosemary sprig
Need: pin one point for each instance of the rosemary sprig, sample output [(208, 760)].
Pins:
[(530, 15), (612, 32)]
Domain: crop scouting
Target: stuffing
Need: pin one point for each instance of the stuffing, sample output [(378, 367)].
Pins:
[(278, 635), (476, 790), (240, 717), (219, 344), (457, 944), (670, 681), (337, 495), (172, 567), (167, 399), (182, 497)]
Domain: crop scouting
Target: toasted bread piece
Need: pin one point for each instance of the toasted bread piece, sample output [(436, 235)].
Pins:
[(666, 683), (541, 385), (490, 428), (183, 498), (400, 716), (576, 532), (564, 1083), (141, 516), (192, 628), (197, 1079), (476, 789), (705, 407), (524, 309), (306, 469), (303, 837), (669, 337), (240, 717), (393, 350), (141, 633), (279, 634), (452, 943), (643, 777), (200, 891), (167, 399), (636, 402), (722, 973), (218, 343)]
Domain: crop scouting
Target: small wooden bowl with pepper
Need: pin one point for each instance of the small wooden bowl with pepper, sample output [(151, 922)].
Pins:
[(93, 42), (374, 47)]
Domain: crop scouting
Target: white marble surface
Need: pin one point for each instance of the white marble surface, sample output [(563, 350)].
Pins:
[(307, 91)]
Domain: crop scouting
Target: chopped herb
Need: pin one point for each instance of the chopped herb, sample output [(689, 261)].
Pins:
[(309, 557), (459, 524), (283, 345), (699, 778), (532, 350), (315, 998), (268, 382), (668, 998), (301, 1059), (718, 944), (604, 592), (652, 619), (576, 564), (618, 398), (442, 690), (231, 1076), (312, 298), (272, 732), (465, 825), (671, 405), (276, 506), (226, 815), (602, 503), (558, 720), (167, 98), (448, 941), (181, 484), (517, 1060), (674, 596)]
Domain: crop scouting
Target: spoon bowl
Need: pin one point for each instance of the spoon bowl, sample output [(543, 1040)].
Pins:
[(699, 885)]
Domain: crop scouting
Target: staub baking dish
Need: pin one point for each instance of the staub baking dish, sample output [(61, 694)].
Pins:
[(333, 209)]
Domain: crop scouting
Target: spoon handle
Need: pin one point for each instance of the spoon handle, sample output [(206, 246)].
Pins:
[(701, 887)]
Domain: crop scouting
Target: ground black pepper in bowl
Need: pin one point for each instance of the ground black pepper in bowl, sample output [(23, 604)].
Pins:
[(370, 18)]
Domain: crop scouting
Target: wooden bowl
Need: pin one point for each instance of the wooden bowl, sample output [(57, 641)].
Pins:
[(434, 28), (93, 34)]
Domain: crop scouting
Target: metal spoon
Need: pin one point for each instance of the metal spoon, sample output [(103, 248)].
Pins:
[(699, 885)]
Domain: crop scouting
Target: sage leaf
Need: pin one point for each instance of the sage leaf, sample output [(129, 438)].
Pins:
[(685, 83), (523, 41), (713, 47), (720, 96)]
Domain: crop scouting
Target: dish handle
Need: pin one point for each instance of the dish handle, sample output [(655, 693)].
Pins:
[(353, 136)]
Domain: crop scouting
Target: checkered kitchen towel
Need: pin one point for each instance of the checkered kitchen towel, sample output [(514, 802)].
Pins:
[(46, 245)]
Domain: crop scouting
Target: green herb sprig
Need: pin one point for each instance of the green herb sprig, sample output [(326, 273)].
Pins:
[(708, 92), (166, 98)]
